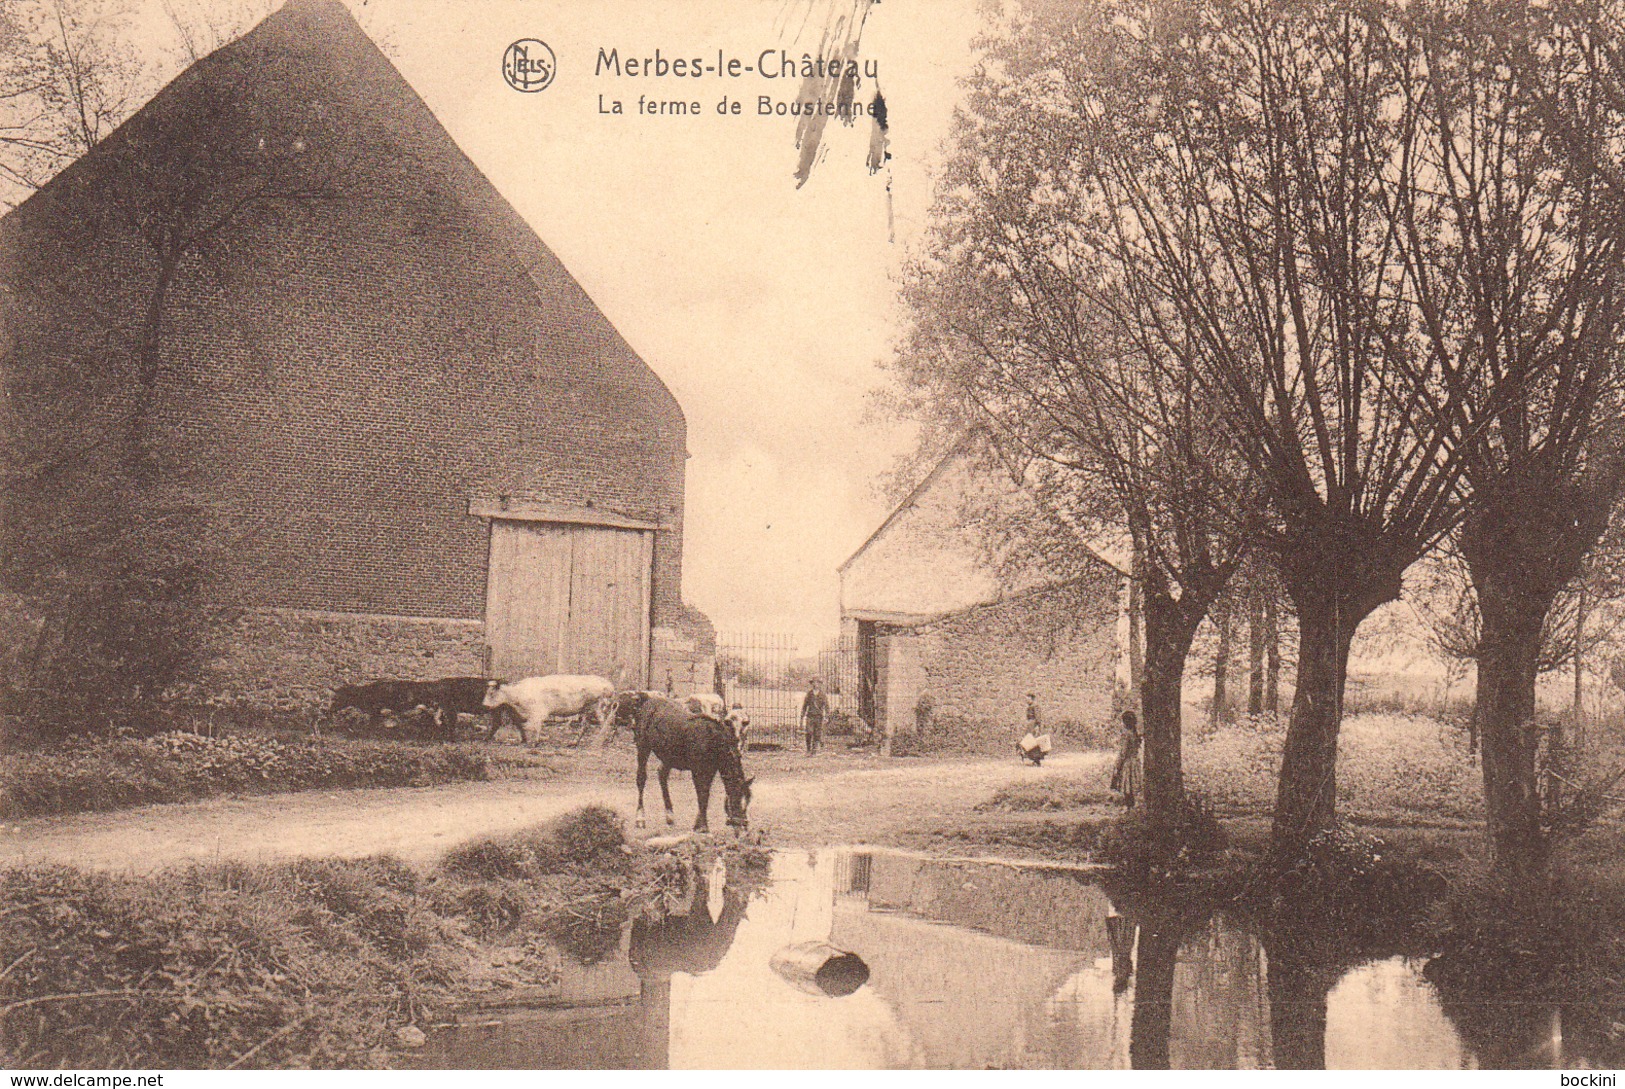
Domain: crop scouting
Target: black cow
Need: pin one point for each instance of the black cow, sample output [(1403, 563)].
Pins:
[(453, 696), (439, 702)]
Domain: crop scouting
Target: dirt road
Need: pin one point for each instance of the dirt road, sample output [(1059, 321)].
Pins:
[(797, 803)]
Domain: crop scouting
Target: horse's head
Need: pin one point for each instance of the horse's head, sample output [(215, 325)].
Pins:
[(737, 805)]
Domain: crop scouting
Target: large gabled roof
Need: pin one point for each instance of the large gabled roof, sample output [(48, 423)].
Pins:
[(926, 560), (958, 450), (335, 59)]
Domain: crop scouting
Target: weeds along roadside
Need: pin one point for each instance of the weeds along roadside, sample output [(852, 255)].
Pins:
[(317, 962), (107, 774)]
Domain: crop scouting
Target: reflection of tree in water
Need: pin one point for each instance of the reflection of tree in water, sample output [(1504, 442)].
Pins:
[(1533, 982), (1300, 976), (1153, 995), (690, 941), (1505, 1032), (1216, 1016), (1341, 907), (1164, 918), (1555, 1017)]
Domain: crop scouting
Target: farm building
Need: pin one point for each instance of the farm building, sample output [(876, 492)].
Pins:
[(424, 449), (942, 633)]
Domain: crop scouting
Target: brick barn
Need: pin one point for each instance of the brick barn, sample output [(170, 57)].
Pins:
[(435, 455), (939, 626)]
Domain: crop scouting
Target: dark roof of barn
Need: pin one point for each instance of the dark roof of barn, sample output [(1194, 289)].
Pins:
[(333, 52)]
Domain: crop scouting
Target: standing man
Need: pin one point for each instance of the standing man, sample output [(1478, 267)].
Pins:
[(814, 706)]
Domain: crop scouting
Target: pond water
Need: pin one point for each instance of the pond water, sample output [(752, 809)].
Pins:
[(975, 965)]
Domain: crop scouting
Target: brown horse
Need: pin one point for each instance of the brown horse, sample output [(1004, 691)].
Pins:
[(701, 746)]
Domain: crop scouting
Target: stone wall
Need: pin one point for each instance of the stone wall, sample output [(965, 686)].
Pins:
[(977, 666), (292, 659), (682, 660)]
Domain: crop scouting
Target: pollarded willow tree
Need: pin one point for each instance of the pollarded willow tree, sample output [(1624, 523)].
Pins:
[(1286, 177), (1525, 276), (1023, 324), (1253, 155), (1258, 196)]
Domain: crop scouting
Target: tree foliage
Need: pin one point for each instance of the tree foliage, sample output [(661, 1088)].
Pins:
[(105, 531), (1340, 255), (1025, 326)]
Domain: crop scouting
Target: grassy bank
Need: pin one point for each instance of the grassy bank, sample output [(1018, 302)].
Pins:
[(1388, 766), (85, 775), (315, 963)]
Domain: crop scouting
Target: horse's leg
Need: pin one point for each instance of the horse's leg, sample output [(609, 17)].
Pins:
[(643, 777), (665, 792), (702, 794)]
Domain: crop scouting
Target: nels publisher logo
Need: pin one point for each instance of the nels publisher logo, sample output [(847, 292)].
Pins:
[(529, 65)]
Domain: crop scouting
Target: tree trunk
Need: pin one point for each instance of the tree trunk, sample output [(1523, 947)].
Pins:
[(1527, 539), (1168, 636), (1306, 801), (1509, 647), (1136, 629), (1579, 661), (1218, 713), (1255, 652), (1153, 998), (1272, 655)]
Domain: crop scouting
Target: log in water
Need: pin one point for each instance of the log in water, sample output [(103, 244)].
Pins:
[(820, 968)]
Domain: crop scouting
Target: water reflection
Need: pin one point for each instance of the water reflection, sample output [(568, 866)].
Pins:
[(693, 942), (1299, 989), (1153, 997), (980, 965)]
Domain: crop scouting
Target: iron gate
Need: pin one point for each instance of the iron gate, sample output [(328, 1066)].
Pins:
[(765, 674)]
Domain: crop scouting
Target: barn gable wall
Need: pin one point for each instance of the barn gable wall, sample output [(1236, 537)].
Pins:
[(974, 634), (344, 374)]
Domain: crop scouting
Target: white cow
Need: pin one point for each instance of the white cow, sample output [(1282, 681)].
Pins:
[(536, 699), (714, 706), (740, 721), (708, 704)]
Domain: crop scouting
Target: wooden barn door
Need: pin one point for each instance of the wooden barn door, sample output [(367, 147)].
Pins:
[(568, 599)]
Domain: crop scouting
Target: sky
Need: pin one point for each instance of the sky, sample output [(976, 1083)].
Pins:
[(766, 308)]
